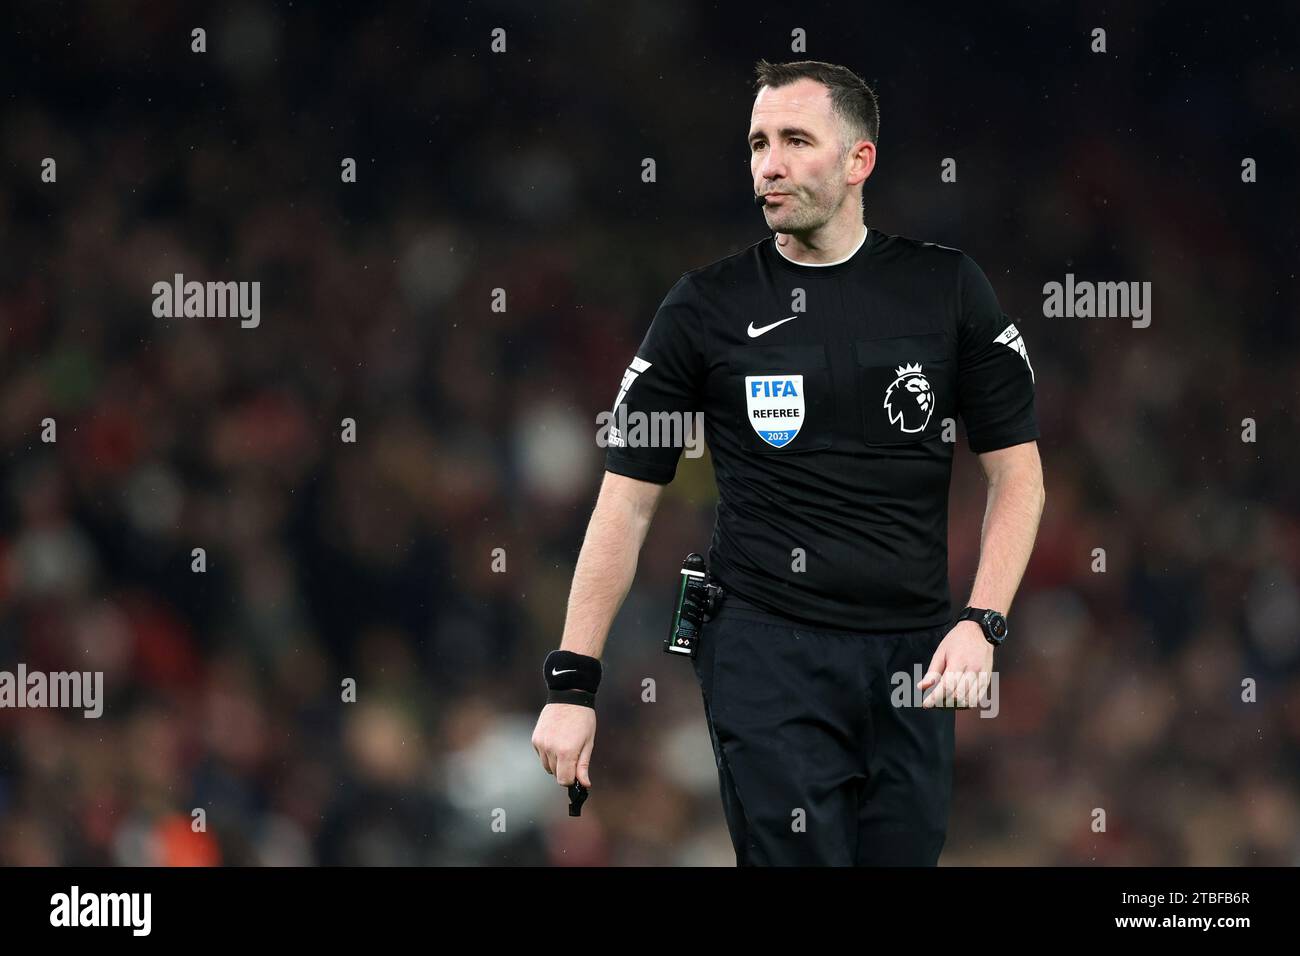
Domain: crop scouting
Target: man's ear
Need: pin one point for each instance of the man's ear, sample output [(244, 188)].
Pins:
[(867, 157)]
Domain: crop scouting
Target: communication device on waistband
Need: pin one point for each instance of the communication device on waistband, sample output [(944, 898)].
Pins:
[(697, 596)]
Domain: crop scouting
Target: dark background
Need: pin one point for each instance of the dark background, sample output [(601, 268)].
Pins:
[(476, 429)]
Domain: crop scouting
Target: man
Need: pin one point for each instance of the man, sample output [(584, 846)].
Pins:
[(831, 363)]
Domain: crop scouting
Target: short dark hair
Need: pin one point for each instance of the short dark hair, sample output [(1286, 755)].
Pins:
[(852, 100)]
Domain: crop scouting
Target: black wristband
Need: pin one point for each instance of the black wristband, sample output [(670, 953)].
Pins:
[(571, 697), (567, 671)]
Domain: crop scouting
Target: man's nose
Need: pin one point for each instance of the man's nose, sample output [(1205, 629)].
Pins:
[(771, 165)]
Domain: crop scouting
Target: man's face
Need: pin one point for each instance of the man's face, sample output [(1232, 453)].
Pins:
[(794, 148)]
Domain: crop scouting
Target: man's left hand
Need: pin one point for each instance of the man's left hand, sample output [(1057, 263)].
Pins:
[(961, 668)]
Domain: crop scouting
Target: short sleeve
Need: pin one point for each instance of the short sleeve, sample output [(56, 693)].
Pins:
[(995, 385), (664, 376)]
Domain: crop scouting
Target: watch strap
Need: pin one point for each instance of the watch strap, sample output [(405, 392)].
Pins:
[(977, 615)]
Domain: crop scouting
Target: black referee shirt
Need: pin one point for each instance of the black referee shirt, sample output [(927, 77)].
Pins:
[(829, 396)]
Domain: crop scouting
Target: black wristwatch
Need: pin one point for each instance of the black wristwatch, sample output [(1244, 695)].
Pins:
[(993, 624)]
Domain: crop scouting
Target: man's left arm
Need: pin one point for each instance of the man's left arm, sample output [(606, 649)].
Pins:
[(996, 398), (963, 663), (1015, 503)]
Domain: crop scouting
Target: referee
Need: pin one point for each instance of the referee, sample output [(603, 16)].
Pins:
[(830, 362)]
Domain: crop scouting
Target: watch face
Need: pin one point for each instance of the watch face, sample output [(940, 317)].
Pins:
[(998, 625)]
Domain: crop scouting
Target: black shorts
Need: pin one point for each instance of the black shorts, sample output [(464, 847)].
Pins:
[(816, 766)]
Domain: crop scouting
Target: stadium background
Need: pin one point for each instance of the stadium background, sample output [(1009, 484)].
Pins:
[(476, 429)]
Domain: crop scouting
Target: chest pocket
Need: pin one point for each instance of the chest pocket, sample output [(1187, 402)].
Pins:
[(781, 397), (908, 387)]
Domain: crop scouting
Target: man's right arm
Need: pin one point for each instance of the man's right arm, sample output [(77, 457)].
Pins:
[(608, 560), (665, 376), (566, 733)]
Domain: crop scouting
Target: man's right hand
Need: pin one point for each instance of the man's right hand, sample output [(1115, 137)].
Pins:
[(564, 737)]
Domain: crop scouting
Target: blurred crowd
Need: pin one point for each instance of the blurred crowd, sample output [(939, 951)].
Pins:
[(429, 560)]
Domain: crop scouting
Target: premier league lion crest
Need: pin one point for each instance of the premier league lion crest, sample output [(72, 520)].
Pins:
[(909, 400)]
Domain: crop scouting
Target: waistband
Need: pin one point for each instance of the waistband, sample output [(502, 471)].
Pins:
[(734, 606)]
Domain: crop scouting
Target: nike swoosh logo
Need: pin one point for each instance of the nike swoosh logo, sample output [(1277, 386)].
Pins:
[(555, 673), (755, 333)]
